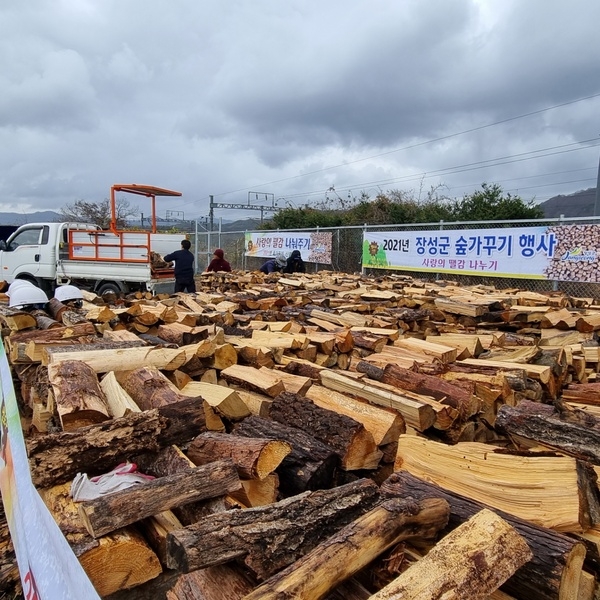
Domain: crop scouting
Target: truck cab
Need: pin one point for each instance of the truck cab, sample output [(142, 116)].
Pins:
[(31, 252)]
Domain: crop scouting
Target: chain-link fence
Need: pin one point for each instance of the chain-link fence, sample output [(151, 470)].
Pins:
[(346, 254)]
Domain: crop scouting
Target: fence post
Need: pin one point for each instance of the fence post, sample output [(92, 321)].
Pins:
[(362, 269), (317, 264), (196, 245), (438, 275), (555, 281)]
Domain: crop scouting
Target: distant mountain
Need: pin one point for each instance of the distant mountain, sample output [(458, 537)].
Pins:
[(579, 204), (43, 216)]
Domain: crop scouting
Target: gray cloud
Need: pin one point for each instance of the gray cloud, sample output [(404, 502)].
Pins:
[(223, 98)]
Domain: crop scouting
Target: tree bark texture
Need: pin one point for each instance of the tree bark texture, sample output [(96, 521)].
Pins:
[(96, 449), (113, 511), (311, 465), (556, 560), (269, 538), (340, 556), (353, 443)]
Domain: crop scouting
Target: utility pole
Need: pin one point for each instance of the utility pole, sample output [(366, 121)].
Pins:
[(597, 200)]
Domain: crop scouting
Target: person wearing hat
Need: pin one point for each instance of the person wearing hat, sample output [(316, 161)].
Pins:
[(274, 264), (295, 264), (218, 263), (184, 267)]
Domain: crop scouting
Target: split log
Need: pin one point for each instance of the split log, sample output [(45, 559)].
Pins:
[(263, 537), (106, 360), (470, 563), (419, 415), (353, 443), (120, 560), (57, 457), (573, 432), (557, 492), (223, 356), (445, 392), (149, 388), (257, 404), (254, 379), (79, 398), (170, 461), (108, 513), (254, 458), (585, 393), (225, 401), (354, 547), (258, 492), (385, 425), (221, 582), (16, 320), (119, 401), (552, 573), (311, 465), (295, 384)]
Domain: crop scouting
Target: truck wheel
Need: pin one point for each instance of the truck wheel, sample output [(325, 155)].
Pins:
[(109, 287)]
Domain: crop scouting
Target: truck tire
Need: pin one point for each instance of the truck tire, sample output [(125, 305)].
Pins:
[(109, 287)]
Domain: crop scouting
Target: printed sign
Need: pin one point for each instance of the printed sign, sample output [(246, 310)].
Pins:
[(563, 253), (49, 570), (314, 247)]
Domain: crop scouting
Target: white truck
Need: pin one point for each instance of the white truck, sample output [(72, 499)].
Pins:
[(51, 254)]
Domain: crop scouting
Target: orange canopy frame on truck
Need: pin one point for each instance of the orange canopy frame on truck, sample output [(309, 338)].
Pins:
[(141, 190)]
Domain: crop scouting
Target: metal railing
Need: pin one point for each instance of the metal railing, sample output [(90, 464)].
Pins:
[(347, 253)]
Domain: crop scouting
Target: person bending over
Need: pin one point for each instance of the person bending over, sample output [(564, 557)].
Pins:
[(184, 268), (218, 263), (295, 264), (274, 264)]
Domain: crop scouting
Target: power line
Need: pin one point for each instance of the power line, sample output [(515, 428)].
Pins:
[(431, 141), (409, 147), (503, 160)]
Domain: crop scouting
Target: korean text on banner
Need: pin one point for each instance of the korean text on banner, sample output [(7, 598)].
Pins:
[(566, 253), (49, 570), (314, 247)]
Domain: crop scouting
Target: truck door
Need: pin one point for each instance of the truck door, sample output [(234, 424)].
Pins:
[(23, 254)]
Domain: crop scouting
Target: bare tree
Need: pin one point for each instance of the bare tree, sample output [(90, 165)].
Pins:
[(98, 213)]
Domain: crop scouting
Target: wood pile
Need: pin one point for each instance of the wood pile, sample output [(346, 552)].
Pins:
[(321, 436)]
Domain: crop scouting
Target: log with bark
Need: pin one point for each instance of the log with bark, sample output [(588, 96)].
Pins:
[(57, 457), (120, 560), (311, 465), (385, 425), (353, 443), (572, 431), (254, 458), (470, 563), (78, 397), (551, 574), (419, 415), (108, 513), (271, 537), (339, 557)]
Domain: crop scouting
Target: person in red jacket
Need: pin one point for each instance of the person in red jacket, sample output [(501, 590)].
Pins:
[(218, 263)]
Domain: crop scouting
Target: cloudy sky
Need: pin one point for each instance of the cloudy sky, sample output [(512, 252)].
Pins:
[(292, 98)]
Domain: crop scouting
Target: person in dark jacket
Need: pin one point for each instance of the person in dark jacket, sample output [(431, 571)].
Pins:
[(274, 264), (295, 264), (184, 268), (218, 263)]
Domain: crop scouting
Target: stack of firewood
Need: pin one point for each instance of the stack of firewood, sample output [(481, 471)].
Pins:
[(321, 436)]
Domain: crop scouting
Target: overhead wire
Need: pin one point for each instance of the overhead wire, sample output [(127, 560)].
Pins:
[(416, 145)]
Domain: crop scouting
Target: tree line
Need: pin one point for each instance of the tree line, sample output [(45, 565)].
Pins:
[(397, 207)]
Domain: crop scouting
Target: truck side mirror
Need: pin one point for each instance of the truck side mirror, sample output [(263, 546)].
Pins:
[(2, 245)]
